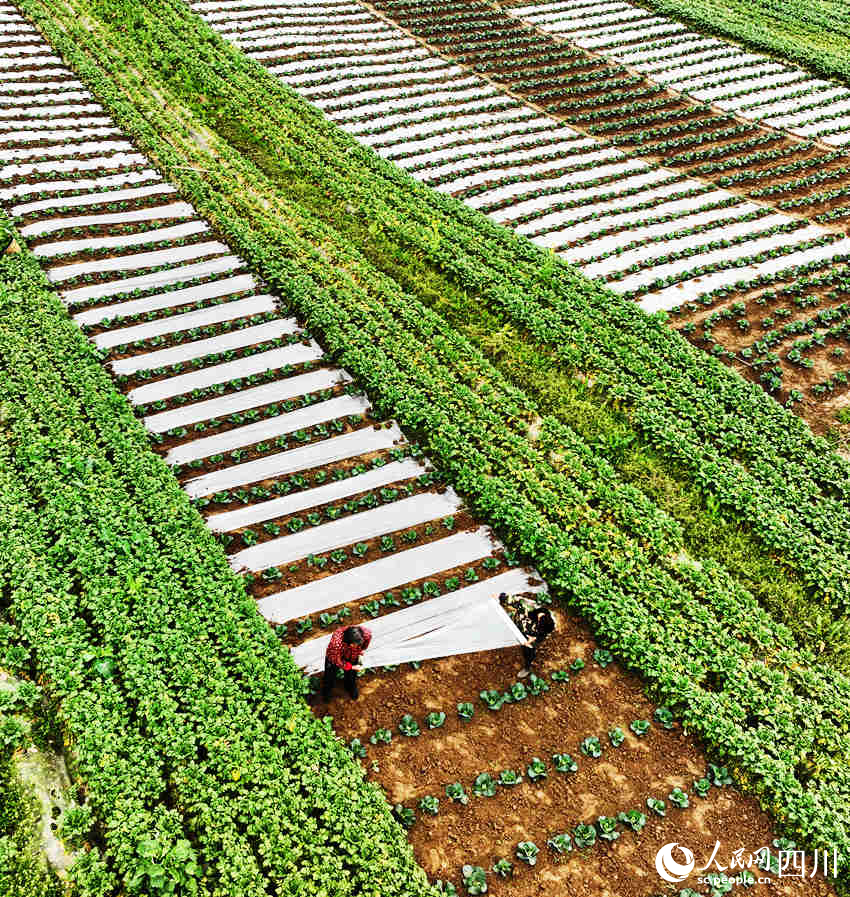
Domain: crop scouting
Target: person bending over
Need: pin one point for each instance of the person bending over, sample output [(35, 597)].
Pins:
[(533, 620), (346, 646)]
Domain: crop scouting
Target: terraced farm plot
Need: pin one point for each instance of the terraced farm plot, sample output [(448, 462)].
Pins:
[(680, 205), (332, 515), (567, 781)]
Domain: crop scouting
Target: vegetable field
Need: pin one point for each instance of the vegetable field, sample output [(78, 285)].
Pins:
[(265, 259)]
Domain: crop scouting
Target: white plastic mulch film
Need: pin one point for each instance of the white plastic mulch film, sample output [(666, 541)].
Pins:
[(441, 627)]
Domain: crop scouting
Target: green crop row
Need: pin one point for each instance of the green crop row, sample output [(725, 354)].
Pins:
[(182, 715), (814, 34)]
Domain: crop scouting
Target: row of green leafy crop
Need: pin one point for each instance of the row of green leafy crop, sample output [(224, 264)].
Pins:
[(206, 776), (710, 652), (813, 34), (759, 464)]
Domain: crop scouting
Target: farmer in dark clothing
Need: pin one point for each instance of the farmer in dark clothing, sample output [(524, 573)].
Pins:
[(533, 620), (344, 650)]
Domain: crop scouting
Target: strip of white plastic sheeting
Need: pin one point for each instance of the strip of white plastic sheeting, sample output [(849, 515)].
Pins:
[(469, 620), (384, 573)]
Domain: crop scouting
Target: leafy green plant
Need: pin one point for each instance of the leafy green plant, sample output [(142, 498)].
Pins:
[(408, 726), (702, 787), (719, 775), (634, 819), (537, 770), (678, 798), (616, 736), (517, 692), (564, 763), (560, 676), (503, 868), (664, 716), (435, 719), (561, 843), (577, 665), (165, 870), (381, 736), (584, 835), (474, 879), (536, 685), (429, 804), (457, 793), (357, 748), (465, 710), (509, 777), (484, 785), (639, 726), (607, 828), (591, 747), (603, 657), (493, 699), (405, 815), (527, 851), (657, 806)]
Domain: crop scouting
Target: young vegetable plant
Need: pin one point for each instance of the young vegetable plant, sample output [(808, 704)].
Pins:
[(517, 692), (456, 792), (678, 798), (382, 736), (607, 828), (560, 676), (527, 851), (591, 747), (474, 879), (492, 698), (577, 665), (657, 806), (484, 785), (405, 815), (616, 736), (584, 835), (665, 717), (536, 685), (356, 747), (640, 727), (465, 710), (435, 720), (602, 657), (537, 770), (634, 819), (429, 804), (408, 726), (702, 787), (719, 775), (509, 777), (564, 763), (503, 868), (562, 843)]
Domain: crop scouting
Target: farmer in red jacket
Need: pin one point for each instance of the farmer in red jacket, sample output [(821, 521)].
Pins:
[(344, 650)]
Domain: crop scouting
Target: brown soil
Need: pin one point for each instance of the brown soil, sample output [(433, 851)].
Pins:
[(592, 702)]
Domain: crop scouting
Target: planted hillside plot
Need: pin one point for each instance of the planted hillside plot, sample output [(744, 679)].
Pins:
[(752, 85), (720, 206), (333, 516)]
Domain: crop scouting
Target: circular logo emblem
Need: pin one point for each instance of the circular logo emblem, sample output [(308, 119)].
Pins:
[(668, 868)]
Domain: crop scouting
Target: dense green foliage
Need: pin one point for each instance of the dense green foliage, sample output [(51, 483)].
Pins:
[(703, 643), (749, 459), (209, 775), (811, 33)]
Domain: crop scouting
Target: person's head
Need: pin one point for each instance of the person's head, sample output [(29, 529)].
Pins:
[(353, 635), (541, 614), (503, 596)]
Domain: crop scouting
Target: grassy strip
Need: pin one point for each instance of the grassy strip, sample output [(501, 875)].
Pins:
[(814, 35), (209, 777), (735, 677), (798, 574)]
